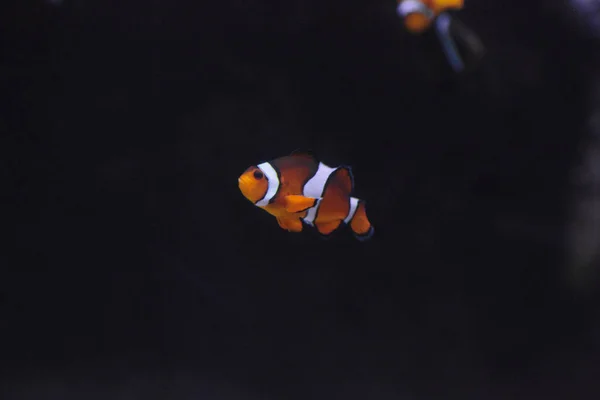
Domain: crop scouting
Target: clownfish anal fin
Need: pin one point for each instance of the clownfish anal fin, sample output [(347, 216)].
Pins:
[(280, 222), (304, 153), (297, 203), (327, 228), (290, 224)]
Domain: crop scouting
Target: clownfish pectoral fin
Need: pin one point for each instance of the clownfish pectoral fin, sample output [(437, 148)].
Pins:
[(297, 203), (290, 224), (327, 228)]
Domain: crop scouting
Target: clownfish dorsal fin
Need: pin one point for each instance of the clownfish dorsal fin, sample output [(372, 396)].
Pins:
[(344, 173), (304, 153)]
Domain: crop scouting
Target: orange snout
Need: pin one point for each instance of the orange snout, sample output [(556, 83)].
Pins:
[(253, 184)]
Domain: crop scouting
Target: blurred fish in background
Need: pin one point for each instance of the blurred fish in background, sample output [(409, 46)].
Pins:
[(420, 15), (584, 232), (588, 13)]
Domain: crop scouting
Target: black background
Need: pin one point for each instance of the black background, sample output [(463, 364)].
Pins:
[(135, 268)]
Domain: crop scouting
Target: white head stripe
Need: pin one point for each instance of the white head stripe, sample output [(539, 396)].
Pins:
[(413, 6), (273, 180), (353, 208), (314, 188)]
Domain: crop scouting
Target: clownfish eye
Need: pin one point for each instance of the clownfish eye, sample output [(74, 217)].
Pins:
[(258, 174)]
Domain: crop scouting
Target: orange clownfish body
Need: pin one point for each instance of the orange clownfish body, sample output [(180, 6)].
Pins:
[(298, 189), (419, 14)]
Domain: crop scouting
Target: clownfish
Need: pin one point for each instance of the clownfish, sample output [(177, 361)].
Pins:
[(418, 15), (298, 189)]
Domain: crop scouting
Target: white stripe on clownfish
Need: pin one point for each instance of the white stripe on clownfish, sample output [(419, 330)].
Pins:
[(273, 180), (314, 188)]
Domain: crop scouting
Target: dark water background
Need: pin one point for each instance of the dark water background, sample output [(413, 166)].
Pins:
[(134, 268)]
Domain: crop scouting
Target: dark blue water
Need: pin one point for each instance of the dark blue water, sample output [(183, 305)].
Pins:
[(134, 267)]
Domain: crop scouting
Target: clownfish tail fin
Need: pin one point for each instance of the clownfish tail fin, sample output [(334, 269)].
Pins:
[(359, 223)]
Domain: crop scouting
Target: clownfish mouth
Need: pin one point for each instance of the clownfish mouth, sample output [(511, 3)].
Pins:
[(243, 182), (245, 186)]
